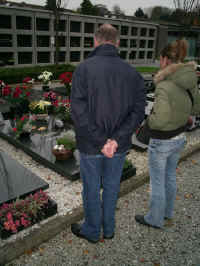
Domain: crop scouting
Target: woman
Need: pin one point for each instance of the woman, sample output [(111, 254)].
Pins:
[(176, 98)]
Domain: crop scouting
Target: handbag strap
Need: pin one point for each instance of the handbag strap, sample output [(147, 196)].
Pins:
[(191, 97)]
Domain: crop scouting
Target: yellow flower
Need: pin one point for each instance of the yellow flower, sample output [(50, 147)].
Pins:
[(42, 104)]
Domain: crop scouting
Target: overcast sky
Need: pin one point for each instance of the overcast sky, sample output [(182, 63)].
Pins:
[(128, 6)]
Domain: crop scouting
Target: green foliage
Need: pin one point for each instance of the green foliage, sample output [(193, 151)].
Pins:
[(67, 142), (147, 69), (13, 75), (87, 8), (51, 4), (127, 164), (139, 13)]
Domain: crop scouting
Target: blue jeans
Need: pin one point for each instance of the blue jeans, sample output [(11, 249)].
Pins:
[(97, 171), (163, 159)]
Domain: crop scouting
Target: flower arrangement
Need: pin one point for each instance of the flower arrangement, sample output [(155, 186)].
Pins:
[(23, 125), (39, 107), (45, 77), (64, 148), (16, 95), (66, 79), (22, 213), (59, 107)]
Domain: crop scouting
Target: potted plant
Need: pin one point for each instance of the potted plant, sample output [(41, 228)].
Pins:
[(64, 148), (23, 126), (59, 107), (45, 77), (66, 79), (40, 109), (22, 213), (18, 98)]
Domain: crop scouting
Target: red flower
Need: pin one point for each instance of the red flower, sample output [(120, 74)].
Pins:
[(28, 93), (6, 91), (27, 79), (56, 103), (66, 77), (14, 129), (18, 90)]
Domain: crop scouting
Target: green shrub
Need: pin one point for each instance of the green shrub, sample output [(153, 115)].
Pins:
[(12, 75), (67, 142)]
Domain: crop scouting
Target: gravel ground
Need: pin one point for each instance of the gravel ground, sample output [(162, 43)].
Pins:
[(178, 244)]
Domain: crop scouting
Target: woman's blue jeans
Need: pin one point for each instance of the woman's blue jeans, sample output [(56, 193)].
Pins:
[(99, 171), (163, 159)]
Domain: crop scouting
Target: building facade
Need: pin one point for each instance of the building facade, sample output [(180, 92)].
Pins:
[(27, 37)]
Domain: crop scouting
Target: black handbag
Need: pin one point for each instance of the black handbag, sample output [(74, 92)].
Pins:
[(143, 133)]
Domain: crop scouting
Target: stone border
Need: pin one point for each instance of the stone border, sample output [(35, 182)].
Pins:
[(56, 224)]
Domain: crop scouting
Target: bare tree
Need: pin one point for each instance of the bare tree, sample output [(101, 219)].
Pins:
[(186, 11), (186, 5)]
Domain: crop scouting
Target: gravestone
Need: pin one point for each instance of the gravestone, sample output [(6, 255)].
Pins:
[(16, 180)]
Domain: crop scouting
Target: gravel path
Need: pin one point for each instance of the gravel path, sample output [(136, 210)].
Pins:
[(134, 245)]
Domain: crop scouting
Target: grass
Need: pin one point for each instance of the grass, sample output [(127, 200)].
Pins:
[(147, 69)]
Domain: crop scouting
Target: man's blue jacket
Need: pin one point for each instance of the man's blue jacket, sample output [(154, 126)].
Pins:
[(107, 100)]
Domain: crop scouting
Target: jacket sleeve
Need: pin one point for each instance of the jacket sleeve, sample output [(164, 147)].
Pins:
[(80, 110), (196, 98), (136, 115), (161, 110)]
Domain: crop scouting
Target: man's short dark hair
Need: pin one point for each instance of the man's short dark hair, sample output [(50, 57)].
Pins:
[(107, 33)]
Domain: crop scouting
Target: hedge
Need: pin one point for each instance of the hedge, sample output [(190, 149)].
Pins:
[(12, 75)]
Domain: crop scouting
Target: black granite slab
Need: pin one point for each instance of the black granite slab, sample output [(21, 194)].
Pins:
[(39, 146), (16, 180)]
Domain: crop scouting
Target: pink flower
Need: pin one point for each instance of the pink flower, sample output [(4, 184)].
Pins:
[(7, 225), (17, 223)]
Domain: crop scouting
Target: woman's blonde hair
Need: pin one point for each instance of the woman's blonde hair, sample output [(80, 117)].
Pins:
[(176, 51)]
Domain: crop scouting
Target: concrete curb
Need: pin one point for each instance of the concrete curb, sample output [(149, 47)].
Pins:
[(56, 224)]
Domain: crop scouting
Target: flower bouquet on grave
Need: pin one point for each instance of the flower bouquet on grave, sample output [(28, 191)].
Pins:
[(40, 109), (64, 148), (59, 107), (23, 126), (45, 77), (66, 79), (18, 98), (23, 213)]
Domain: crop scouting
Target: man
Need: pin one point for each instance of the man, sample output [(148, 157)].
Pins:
[(107, 106)]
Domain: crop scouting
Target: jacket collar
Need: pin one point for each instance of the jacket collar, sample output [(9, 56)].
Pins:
[(104, 50), (170, 69)]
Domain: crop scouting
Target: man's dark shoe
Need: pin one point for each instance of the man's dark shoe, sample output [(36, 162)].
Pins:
[(76, 230), (109, 237), (140, 219)]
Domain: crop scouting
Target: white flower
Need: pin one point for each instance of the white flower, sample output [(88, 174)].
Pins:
[(56, 147), (45, 76)]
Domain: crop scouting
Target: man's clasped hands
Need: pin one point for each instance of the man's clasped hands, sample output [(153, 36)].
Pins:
[(109, 148)]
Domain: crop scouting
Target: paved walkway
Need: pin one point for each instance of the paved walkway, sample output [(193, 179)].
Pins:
[(134, 245)]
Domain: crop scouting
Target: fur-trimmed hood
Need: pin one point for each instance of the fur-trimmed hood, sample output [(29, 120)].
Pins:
[(183, 75)]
